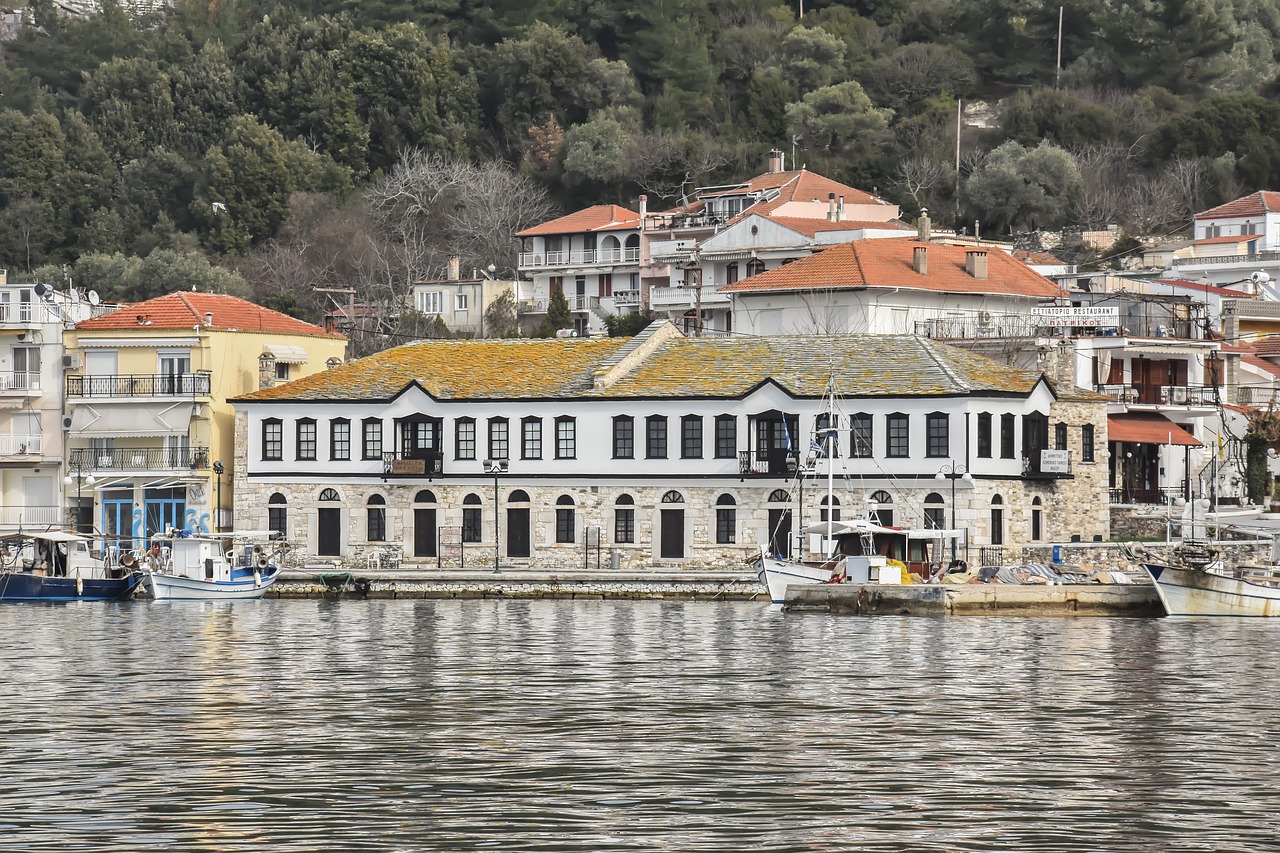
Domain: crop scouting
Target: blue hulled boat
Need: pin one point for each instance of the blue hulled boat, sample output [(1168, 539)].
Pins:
[(55, 565)]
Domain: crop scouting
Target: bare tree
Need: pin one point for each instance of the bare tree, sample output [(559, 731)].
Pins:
[(1190, 178), (920, 176)]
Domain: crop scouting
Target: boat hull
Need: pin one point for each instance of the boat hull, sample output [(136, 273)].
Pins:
[(165, 587), (1189, 592), (24, 586), (776, 575)]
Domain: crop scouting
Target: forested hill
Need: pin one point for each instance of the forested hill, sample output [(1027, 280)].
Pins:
[(273, 137)]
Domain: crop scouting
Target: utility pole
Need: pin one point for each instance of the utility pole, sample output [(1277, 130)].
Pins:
[(349, 309), (1057, 76)]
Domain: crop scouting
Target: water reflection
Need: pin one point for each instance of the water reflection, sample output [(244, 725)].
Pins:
[(603, 726)]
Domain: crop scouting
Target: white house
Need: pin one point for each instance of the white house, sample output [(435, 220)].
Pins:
[(460, 302), (1233, 240), (662, 449)]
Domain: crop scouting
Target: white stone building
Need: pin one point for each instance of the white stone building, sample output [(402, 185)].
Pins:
[(661, 450)]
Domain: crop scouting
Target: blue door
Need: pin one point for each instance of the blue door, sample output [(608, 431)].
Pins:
[(118, 521), (164, 509)]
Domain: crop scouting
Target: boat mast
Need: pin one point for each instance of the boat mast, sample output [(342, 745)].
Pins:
[(826, 451)]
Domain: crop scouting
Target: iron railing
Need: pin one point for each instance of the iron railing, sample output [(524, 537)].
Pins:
[(1163, 395), (140, 458), (767, 464), (412, 463), (562, 258), (140, 385), (21, 445)]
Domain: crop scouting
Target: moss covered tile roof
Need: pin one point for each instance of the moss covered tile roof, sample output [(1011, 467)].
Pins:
[(863, 365)]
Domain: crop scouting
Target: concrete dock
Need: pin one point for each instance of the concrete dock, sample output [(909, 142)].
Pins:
[(976, 600)]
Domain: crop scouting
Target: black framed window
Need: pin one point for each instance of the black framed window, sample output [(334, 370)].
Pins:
[(371, 431), (499, 443), (826, 436), (997, 520), (726, 437), (1006, 436), (377, 510), (566, 437), (655, 437), (464, 438), (726, 520), (564, 519), (531, 438), (624, 520), (897, 436), (472, 514), (1086, 442), (984, 435), (278, 513), (306, 439), (624, 437), (937, 434), (1060, 436), (860, 435), (934, 512), (272, 440), (691, 437), (339, 439)]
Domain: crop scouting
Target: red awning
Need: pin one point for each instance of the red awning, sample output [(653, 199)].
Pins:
[(1147, 428)]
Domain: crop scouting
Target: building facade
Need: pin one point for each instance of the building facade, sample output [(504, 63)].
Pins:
[(662, 450)]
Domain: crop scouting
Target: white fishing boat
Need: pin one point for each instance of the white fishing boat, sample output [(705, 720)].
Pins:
[(221, 567), (1197, 582)]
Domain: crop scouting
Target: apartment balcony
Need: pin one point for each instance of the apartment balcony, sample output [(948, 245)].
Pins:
[(25, 315), (22, 446), (1206, 396), (1043, 467), (775, 463), (139, 459), (668, 298), (1223, 260), (579, 258), (576, 303), (977, 327), (414, 463), (19, 383), (1258, 396), (626, 298), (682, 221), (33, 517), (126, 386)]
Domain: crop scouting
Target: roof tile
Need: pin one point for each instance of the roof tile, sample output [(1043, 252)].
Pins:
[(184, 310), (599, 217), (1253, 204)]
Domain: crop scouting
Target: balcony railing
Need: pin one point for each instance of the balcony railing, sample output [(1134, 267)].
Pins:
[(576, 303), (579, 257), (678, 221), (684, 297), (414, 463), (139, 458), (626, 297), (1163, 395), (19, 380), (776, 463), (1162, 495), (32, 517), (21, 445), (1257, 395), (1229, 259), (1035, 468), (140, 385)]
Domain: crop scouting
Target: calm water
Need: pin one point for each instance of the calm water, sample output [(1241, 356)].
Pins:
[(559, 726)]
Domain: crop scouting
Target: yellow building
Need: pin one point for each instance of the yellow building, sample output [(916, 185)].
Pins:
[(150, 434)]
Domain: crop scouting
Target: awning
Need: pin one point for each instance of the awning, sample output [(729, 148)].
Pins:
[(1147, 428), (130, 421), (287, 354)]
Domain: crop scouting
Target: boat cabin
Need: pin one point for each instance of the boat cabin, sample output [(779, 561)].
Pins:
[(54, 553)]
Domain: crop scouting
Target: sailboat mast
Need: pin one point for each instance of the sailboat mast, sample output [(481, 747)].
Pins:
[(827, 443)]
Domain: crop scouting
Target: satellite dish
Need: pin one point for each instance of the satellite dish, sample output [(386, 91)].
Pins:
[(492, 268), (74, 295), (93, 297)]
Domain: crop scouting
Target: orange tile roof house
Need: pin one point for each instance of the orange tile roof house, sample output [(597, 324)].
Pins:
[(1233, 240), (147, 387)]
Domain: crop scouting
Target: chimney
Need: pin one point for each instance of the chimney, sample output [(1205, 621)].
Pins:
[(644, 206), (840, 210), (775, 161), (266, 371), (208, 318), (455, 265), (921, 262), (831, 207), (924, 228), (975, 263)]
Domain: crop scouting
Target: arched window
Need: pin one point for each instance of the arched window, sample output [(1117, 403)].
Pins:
[(278, 514), (329, 495), (880, 508), (1037, 524), (755, 266), (564, 519), (834, 508), (934, 513), (726, 520), (471, 518), (779, 496), (377, 518), (426, 496), (673, 497), (519, 496), (624, 519), (997, 520), (731, 273)]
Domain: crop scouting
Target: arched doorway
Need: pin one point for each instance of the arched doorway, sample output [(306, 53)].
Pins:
[(424, 524), (518, 538), (329, 524), (997, 520), (671, 518), (780, 523)]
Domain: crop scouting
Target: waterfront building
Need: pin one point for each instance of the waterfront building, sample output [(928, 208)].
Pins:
[(663, 450), (149, 431)]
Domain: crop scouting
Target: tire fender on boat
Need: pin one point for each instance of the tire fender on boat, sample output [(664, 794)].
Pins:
[(79, 586)]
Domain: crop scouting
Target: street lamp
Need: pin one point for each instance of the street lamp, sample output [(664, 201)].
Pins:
[(954, 471), (81, 478), (218, 468), (495, 467)]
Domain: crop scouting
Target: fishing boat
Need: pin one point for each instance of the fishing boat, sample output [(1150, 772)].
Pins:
[(1197, 582), (217, 567), (859, 551), (57, 565)]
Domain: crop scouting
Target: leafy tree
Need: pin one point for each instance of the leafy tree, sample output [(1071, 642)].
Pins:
[(627, 325), (500, 319), (27, 232), (540, 76), (1023, 188), (558, 316), (811, 57), (916, 72), (1057, 116), (1245, 126), (839, 119), (596, 152), (129, 104)]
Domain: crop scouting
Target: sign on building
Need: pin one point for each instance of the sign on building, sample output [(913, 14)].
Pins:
[(1055, 461), (1077, 315)]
